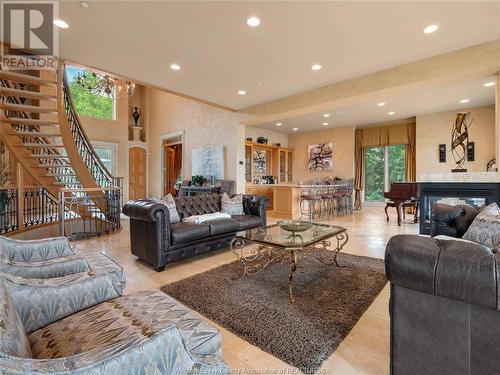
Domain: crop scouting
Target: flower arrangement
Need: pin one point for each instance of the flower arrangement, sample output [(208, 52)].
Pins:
[(198, 180)]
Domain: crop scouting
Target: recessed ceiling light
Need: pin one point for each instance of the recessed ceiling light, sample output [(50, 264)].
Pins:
[(463, 101), (85, 4), (316, 67), (325, 124), (489, 84), (430, 29), (295, 129), (175, 67), (381, 104), (242, 92), (61, 24), (391, 113), (253, 21), (326, 115), (279, 124)]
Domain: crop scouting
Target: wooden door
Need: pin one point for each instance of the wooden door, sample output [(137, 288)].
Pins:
[(137, 173), (169, 178)]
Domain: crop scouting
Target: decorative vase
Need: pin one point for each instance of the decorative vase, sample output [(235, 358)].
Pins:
[(136, 114)]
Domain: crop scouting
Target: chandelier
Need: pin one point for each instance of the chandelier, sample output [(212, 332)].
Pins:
[(102, 84)]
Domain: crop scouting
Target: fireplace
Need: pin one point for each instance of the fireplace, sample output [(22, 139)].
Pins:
[(477, 194)]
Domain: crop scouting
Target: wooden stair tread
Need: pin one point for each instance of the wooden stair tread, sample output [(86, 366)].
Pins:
[(52, 166), (26, 94), (24, 78), (45, 156), (26, 108), (28, 121), (36, 134), (61, 175), (40, 145)]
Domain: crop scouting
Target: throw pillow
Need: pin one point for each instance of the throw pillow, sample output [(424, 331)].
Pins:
[(232, 206), (169, 201), (485, 229)]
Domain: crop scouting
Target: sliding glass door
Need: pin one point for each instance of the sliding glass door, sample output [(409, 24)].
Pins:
[(383, 165)]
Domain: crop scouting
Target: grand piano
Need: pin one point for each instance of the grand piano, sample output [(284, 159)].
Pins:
[(401, 196)]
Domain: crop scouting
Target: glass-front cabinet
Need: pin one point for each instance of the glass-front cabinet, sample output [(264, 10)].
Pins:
[(285, 165), (248, 163), (267, 160)]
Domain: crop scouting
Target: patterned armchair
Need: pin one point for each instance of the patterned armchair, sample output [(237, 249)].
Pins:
[(51, 257), (79, 324)]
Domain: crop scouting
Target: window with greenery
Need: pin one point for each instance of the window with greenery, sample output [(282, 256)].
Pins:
[(383, 165), (93, 93), (374, 174), (107, 153)]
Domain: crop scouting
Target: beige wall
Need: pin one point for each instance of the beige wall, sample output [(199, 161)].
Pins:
[(203, 125), (434, 129), (272, 136), (343, 152)]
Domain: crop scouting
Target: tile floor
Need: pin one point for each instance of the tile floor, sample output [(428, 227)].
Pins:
[(364, 351)]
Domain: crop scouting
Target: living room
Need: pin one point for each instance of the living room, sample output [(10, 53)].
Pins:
[(301, 204)]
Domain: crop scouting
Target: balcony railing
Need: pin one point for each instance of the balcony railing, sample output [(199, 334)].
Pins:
[(80, 213), (9, 204), (40, 207), (87, 213)]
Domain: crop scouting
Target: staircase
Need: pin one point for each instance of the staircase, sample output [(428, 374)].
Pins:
[(41, 129)]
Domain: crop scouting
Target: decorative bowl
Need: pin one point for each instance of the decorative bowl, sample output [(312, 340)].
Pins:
[(295, 225)]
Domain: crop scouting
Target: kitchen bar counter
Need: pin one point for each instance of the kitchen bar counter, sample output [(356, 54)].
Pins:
[(284, 199)]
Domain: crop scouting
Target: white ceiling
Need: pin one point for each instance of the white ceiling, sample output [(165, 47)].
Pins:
[(219, 54), (409, 105)]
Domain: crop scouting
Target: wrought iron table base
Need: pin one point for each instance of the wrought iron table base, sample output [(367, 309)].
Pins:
[(260, 257)]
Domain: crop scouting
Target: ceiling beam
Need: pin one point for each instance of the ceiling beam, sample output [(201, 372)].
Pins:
[(479, 60)]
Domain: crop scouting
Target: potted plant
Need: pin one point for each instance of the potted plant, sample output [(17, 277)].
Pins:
[(4, 195), (198, 180)]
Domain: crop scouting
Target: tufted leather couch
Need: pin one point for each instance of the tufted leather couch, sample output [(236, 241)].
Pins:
[(158, 242), (444, 300), (452, 221)]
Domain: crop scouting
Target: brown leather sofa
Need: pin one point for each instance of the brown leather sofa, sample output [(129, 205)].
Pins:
[(444, 303), (158, 242)]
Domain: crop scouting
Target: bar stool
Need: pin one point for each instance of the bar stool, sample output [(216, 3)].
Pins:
[(311, 198), (328, 201)]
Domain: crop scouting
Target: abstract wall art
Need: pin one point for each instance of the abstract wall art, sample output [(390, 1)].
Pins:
[(320, 157), (208, 162)]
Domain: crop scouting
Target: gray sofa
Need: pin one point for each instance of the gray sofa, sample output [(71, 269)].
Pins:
[(51, 257), (80, 324), (157, 241), (444, 300)]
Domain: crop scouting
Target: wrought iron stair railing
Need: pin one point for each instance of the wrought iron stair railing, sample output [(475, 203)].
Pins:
[(98, 170), (89, 211)]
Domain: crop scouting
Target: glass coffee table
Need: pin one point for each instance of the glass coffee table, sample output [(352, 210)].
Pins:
[(276, 244)]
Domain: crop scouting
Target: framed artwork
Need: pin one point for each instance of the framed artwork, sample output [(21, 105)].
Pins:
[(320, 157), (208, 162), (259, 161)]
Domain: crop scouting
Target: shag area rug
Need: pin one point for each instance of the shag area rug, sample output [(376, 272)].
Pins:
[(329, 302)]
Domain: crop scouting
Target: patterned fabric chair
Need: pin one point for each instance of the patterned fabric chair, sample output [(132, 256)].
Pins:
[(79, 324), (51, 257)]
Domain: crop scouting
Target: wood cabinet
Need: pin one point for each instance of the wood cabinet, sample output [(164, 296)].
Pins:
[(265, 191), (268, 160), (286, 165)]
